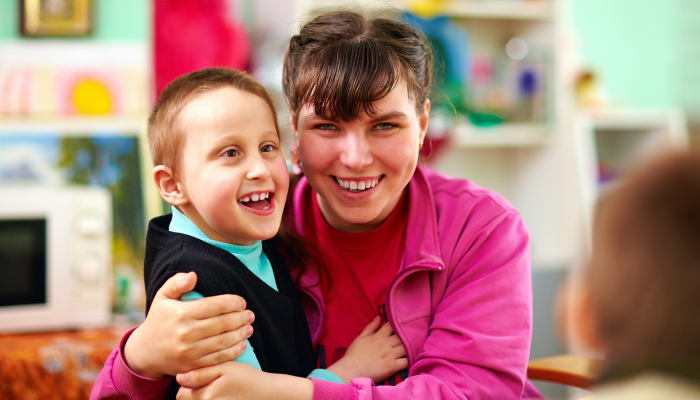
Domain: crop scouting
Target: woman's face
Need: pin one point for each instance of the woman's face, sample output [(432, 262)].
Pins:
[(360, 168)]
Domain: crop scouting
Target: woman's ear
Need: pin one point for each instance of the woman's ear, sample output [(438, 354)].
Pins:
[(423, 120), (168, 186), (293, 123)]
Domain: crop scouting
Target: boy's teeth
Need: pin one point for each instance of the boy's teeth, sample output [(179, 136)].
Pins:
[(245, 200), (255, 197)]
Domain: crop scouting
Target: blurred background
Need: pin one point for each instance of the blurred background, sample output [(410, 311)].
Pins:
[(543, 101)]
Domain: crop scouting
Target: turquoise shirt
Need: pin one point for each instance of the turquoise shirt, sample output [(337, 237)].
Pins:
[(256, 261), (251, 256)]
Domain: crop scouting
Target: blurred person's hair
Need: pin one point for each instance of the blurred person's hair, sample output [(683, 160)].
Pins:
[(343, 61), (644, 277), (164, 135)]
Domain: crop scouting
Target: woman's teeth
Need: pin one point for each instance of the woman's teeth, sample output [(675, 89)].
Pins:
[(354, 186)]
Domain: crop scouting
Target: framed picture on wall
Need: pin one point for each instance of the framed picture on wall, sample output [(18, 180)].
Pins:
[(41, 18)]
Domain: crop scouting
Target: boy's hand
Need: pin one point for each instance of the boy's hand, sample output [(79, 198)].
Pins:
[(181, 336), (377, 354)]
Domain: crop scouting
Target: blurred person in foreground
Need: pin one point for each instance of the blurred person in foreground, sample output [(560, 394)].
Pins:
[(639, 302)]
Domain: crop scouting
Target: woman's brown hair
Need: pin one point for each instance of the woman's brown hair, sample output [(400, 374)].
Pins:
[(341, 62)]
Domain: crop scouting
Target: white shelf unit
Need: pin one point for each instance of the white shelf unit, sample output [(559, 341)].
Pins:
[(500, 136), (609, 142)]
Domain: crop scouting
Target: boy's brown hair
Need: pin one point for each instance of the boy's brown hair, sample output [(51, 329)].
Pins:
[(644, 279), (164, 137)]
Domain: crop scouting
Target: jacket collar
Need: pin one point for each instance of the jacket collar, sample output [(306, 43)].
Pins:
[(422, 240)]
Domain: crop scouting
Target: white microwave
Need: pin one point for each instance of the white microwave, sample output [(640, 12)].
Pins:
[(55, 258)]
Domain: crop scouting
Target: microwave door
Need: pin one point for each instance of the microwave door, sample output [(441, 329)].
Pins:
[(23, 268)]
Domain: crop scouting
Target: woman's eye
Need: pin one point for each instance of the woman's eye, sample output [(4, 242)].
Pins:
[(267, 148), (231, 153), (385, 126), (325, 127)]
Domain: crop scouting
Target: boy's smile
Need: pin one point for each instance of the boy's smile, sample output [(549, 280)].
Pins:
[(232, 176)]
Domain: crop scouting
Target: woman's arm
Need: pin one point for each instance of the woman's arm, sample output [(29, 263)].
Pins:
[(479, 338), (176, 337)]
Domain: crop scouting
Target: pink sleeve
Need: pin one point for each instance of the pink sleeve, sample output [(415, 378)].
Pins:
[(479, 339), (118, 381)]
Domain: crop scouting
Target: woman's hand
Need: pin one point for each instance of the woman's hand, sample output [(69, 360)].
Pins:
[(376, 354), (234, 380), (181, 336)]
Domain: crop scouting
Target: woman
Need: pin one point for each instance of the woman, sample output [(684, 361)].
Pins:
[(445, 262)]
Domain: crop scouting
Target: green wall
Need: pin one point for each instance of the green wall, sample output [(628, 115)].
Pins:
[(115, 20), (644, 51)]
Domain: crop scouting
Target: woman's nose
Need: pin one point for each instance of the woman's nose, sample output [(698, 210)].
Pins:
[(355, 152)]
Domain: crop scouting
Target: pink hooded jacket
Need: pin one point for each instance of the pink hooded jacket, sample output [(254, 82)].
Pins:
[(461, 302)]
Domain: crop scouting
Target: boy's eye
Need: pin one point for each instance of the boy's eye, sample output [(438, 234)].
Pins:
[(231, 153), (267, 148), (385, 126)]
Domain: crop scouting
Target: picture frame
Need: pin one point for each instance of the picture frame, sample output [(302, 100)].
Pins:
[(56, 18)]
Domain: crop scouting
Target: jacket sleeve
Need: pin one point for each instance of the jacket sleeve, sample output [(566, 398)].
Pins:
[(118, 381), (479, 339)]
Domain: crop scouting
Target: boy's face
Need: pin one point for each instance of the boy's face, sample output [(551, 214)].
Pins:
[(231, 156)]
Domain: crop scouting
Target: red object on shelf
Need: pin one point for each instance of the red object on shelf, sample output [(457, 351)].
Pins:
[(195, 34)]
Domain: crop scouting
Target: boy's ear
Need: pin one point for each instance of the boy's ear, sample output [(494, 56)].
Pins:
[(423, 120), (168, 186)]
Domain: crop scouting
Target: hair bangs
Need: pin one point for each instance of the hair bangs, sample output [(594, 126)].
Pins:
[(347, 78)]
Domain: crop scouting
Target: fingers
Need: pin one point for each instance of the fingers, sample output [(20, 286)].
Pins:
[(399, 351), (197, 378), (394, 341), (213, 306), (177, 285), (222, 356), (401, 364), (372, 326), (223, 323), (184, 394), (386, 330), (225, 340)]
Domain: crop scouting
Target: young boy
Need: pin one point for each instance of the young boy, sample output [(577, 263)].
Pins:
[(215, 143), (640, 299)]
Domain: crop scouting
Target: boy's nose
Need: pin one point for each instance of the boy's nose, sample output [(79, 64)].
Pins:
[(258, 169)]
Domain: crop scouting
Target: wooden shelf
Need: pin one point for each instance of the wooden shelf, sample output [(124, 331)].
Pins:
[(74, 126), (505, 135)]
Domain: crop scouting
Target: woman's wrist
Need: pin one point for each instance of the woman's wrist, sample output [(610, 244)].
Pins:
[(133, 358), (289, 387)]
